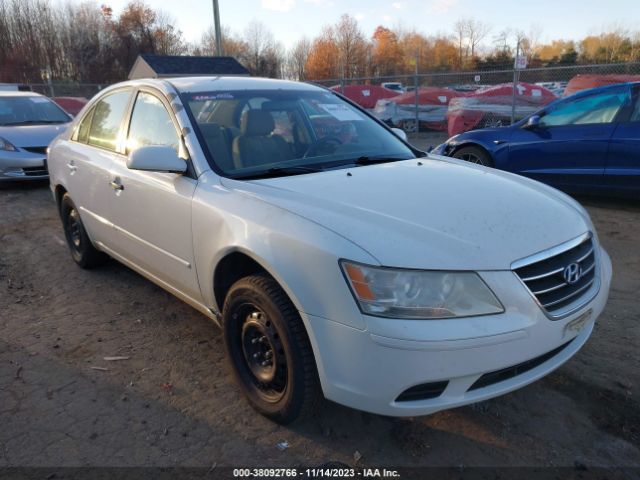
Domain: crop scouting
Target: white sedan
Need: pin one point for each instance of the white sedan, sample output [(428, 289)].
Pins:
[(337, 259), (28, 123)]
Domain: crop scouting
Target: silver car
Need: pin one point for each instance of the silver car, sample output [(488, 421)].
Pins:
[(28, 123)]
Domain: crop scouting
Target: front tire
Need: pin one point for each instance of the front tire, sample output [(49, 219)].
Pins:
[(474, 155), (82, 250), (269, 350)]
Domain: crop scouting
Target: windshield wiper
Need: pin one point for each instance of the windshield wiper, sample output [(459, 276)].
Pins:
[(32, 122), (281, 172), (366, 160)]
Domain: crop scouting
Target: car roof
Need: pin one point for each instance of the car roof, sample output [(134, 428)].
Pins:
[(14, 93), (205, 84), (219, 83)]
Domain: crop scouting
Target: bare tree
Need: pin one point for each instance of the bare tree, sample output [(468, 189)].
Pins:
[(469, 34), (477, 31), (460, 31), (297, 59), (264, 55), (352, 46)]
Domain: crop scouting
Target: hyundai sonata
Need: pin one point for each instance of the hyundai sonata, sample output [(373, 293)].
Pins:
[(338, 260)]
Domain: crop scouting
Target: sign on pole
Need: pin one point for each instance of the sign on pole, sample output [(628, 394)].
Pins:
[(521, 62)]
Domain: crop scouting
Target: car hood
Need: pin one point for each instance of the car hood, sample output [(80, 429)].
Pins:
[(441, 214), (32, 135)]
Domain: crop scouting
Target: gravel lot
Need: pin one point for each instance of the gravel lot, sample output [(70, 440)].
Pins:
[(173, 401)]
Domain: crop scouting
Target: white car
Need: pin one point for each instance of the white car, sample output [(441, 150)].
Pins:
[(338, 260), (28, 123), (395, 86)]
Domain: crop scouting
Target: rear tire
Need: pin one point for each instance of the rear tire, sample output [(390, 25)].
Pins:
[(409, 126), (474, 155), (82, 250), (269, 349)]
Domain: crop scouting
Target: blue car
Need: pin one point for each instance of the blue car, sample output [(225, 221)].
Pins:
[(587, 143)]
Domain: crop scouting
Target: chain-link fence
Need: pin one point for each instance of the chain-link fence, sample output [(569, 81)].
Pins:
[(85, 90), (443, 103), (453, 102)]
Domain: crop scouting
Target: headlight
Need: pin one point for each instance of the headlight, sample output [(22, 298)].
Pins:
[(419, 294), (7, 146)]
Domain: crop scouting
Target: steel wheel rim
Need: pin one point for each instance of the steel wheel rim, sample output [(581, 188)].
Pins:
[(74, 229), (264, 358)]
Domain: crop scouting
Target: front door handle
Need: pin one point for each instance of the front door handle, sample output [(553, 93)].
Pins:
[(116, 185), (71, 166)]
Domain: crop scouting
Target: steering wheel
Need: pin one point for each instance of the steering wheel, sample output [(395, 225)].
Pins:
[(319, 144)]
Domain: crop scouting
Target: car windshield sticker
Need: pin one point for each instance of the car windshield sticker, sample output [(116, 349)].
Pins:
[(536, 93), (39, 100), (366, 93), (212, 96), (341, 112)]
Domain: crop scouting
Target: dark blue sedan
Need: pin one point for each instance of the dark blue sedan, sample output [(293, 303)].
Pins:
[(586, 143)]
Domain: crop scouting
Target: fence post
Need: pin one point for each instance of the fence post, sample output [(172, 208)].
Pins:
[(515, 83), (416, 83)]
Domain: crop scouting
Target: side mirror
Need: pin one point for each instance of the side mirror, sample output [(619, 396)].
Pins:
[(533, 122), (400, 133), (156, 158)]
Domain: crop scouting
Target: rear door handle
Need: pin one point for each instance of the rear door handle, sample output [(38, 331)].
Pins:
[(71, 166), (116, 185)]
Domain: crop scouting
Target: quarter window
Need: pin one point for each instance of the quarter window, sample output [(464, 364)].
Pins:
[(82, 135), (106, 121), (600, 108), (151, 124)]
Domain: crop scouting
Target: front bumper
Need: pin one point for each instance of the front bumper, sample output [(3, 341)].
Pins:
[(23, 165), (369, 369)]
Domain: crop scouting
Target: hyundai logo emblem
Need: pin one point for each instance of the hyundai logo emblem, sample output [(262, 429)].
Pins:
[(572, 273)]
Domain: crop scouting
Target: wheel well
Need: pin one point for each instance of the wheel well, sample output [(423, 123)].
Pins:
[(229, 270), (60, 191), (475, 145)]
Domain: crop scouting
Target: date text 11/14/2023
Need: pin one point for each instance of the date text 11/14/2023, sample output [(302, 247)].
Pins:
[(318, 472)]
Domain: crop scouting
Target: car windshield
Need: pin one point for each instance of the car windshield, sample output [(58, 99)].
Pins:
[(254, 133), (30, 110)]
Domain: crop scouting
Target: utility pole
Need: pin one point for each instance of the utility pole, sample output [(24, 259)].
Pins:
[(218, 31)]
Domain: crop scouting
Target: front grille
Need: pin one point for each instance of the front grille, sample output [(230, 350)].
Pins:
[(547, 278), (423, 391), (510, 372), (42, 150)]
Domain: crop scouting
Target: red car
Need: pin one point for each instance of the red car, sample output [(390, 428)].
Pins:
[(365, 95), (584, 82), (71, 105), (492, 106), (433, 103)]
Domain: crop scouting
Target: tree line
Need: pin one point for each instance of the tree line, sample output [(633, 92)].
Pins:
[(87, 43)]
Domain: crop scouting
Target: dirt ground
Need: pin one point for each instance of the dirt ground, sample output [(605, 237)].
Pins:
[(173, 402)]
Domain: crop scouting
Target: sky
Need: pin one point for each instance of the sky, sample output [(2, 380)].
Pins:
[(291, 19)]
